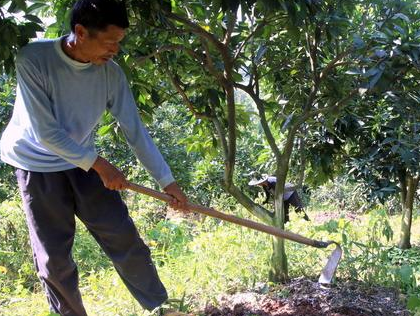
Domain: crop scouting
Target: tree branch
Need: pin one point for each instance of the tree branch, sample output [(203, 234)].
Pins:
[(167, 48), (260, 212), (230, 27), (243, 44), (318, 79), (251, 35), (196, 29), (176, 82), (312, 49), (210, 64), (231, 118), (260, 106), (326, 109), (220, 132), (333, 63)]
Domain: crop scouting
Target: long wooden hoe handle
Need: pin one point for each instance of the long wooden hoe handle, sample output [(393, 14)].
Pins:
[(233, 219)]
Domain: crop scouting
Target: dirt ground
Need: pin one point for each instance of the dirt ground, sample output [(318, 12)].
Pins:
[(323, 217), (303, 297)]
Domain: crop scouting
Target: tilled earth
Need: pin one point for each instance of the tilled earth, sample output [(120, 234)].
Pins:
[(303, 297)]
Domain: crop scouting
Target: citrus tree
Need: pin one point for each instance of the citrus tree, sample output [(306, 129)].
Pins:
[(385, 151), (292, 58)]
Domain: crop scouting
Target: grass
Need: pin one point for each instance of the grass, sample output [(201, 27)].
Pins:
[(201, 259)]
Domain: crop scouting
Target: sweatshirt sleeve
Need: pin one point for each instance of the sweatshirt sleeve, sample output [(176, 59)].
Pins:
[(123, 107), (46, 130)]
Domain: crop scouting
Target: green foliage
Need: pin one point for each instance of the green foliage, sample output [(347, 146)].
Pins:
[(387, 148), (17, 275), (383, 146), (198, 260), (341, 194), (168, 238), (360, 252), (407, 274), (7, 94), (18, 24)]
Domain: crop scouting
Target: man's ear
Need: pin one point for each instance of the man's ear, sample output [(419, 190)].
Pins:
[(81, 32)]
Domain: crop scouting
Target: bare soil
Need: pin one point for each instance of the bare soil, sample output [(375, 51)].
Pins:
[(323, 217)]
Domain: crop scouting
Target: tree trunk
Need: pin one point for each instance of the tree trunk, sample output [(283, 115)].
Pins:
[(407, 200), (278, 261), (302, 167), (278, 264)]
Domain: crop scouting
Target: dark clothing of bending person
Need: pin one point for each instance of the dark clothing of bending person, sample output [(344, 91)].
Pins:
[(290, 196)]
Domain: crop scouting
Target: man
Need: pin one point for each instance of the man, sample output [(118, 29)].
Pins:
[(64, 87), (290, 196)]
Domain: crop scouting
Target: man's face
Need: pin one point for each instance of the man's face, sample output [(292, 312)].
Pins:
[(100, 46)]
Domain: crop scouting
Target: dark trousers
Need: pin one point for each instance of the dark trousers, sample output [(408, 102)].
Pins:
[(51, 201), (297, 203)]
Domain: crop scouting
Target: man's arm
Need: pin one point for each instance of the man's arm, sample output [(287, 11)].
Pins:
[(111, 176), (123, 107), (180, 200), (114, 179)]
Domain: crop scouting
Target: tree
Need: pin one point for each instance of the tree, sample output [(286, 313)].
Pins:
[(290, 57), (386, 156), (383, 146)]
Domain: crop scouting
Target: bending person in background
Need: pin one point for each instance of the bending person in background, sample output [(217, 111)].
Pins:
[(290, 196)]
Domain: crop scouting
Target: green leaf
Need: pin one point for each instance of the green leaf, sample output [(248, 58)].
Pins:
[(358, 42), (102, 131), (33, 18), (20, 4), (353, 71), (141, 98), (260, 53), (389, 140), (400, 30), (406, 274), (413, 303), (29, 29), (286, 123), (402, 17), (127, 70), (237, 76), (344, 238), (36, 6), (263, 156)]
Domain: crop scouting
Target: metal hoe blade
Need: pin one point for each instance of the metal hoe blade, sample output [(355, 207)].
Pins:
[(328, 272)]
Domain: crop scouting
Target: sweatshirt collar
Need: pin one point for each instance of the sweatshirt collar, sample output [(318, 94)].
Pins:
[(74, 63)]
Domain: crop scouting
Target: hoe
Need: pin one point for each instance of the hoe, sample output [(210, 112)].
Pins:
[(327, 273)]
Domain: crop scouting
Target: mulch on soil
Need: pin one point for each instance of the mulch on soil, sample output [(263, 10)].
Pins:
[(303, 297)]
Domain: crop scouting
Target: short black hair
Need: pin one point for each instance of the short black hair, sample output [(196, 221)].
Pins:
[(96, 15)]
